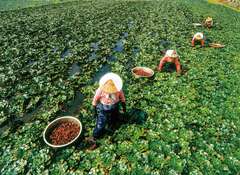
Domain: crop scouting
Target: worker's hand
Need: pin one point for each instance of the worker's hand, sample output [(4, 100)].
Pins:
[(157, 69), (179, 73), (124, 107), (94, 111)]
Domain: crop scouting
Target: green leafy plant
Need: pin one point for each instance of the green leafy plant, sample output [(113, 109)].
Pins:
[(51, 64)]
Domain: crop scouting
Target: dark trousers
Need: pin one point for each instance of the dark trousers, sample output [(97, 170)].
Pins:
[(105, 115)]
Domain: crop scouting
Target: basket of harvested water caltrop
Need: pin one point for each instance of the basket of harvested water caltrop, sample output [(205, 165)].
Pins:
[(197, 24), (142, 72), (62, 132), (216, 45)]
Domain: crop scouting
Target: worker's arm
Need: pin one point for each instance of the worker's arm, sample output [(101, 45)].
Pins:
[(202, 42), (162, 62), (95, 101), (123, 100), (96, 97), (122, 97), (193, 42), (178, 65)]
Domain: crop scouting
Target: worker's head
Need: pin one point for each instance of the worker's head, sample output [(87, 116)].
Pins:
[(172, 54), (109, 87), (209, 20), (110, 83)]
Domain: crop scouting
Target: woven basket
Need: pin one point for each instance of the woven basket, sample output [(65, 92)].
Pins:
[(197, 24), (216, 45), (142, 72), (53, 124)]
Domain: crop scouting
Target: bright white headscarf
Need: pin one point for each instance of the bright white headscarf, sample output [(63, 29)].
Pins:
[(199, 34), (171, 53)]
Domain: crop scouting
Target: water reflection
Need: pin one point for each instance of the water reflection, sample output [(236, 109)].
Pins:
[(74, 69)]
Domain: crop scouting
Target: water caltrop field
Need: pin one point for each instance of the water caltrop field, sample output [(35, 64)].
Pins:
[(53, 55)]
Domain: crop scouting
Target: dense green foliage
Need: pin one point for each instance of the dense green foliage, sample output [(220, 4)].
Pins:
[(234, 4), (188, 124), (18, 4)]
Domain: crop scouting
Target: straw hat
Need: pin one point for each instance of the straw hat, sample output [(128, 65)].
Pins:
[(171, 53), (110, 83), (209, 19), (198, 36)]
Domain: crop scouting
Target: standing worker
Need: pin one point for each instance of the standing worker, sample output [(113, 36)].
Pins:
[(170, 57), (106, 103), (199, 38)]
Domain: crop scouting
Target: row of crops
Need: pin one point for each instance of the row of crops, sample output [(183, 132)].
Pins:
[(19, 4), (52, 57)]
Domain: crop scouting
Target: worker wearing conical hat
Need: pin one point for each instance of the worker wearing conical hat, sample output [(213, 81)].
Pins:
[(106, 101), (171, 56), (199, 38), (208, 22)]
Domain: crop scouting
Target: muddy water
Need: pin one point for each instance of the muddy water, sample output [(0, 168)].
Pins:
[(135, 51), (119, 47), (74, 69), (130, 24), (72, 108), (95, 48), (55, 49), (103, 70), (93, 56), (112, 58), (165, 43), (66, 52), (16, 121), (125, 34)]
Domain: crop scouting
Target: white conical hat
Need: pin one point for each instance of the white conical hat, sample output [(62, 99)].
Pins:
[(115, 79), (198, 35), (171, 53)]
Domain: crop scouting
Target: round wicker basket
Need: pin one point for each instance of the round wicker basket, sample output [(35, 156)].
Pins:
[(51, 126), (142, 72)]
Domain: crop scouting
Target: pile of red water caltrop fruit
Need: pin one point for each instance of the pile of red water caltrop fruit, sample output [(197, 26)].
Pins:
[(64, 133), (141, 72)]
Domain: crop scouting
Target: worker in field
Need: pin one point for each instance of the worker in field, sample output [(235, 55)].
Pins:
[(171, 56), (208, 22), (106, 103), (198, 37)]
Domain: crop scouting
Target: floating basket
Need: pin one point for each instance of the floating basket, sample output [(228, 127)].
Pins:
[(197, 24), (216, 45), (142, 72), (55, 123)]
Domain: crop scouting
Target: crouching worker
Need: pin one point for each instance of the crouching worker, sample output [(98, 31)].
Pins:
[(106, 103), (170, 57), (208, 22), (198, 37)]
